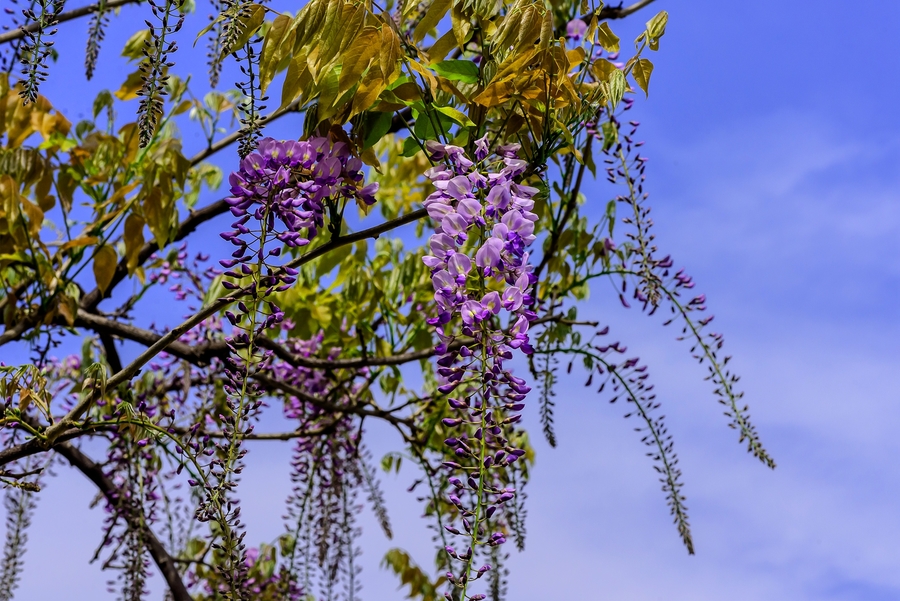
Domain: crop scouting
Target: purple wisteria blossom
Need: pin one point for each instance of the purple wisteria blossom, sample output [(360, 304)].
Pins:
[(575, 29), (482, 283)]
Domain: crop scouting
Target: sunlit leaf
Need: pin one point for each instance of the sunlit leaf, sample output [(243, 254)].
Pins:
[(642, 70), (656, 28), (431, 18), (607, 38), (276, 46), (358, 57)]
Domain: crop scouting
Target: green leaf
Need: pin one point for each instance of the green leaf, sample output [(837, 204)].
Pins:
[(103, 100), (643, 68), (457, 116), (457, 70), (424, 128), (610, 134), (377, 126), (410, 147), (616, 88)]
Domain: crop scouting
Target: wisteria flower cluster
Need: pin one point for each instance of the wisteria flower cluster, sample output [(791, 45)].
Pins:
[(280, 196), (482, 281)]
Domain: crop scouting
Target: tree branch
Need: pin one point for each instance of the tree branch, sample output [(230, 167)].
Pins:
[(187, 227), (75, 13), (165, 341), (161, 557), (618, 12), (235, 136)]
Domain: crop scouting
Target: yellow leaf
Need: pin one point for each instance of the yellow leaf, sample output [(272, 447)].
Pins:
[(182, 107), (132, 85), (426, 74), (104, 266), (370, 158), (602, 68), (328, 95), (390, 54), (575, 56), (35, 216), (642, 70), (607, 38), (68, 307), (617, 85), (274, 49), (134, 240), (495, 94), (513, 65), (460, 23), (309, 23), (456, 115), (656, 28), (430, 20), (296, 80), (546, 30), (134, 47), (158, 216), (442, 47), (367, 93), (328, 37), (202, 32), (358, 57), (77, 242)]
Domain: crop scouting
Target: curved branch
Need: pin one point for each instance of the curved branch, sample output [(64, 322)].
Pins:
[(235, 136), (175, 333), (187, 227), (161, 557), (75, 13), (619, 12)]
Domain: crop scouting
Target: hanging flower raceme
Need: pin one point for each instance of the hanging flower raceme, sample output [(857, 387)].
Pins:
[(482, 281), (280, 196)]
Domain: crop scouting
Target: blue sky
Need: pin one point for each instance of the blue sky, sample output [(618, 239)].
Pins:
[(774, 145)]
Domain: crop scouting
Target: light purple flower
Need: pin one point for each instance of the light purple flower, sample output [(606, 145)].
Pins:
[(575, 29)]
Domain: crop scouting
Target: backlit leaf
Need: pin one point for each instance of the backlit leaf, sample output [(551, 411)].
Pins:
[(458, 116), (275, 47), (430, 20), (656, 28), (616, 88), (389, 55), (358, 57), (457, 70), (134, 47), (607, 38), (642, 70)]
